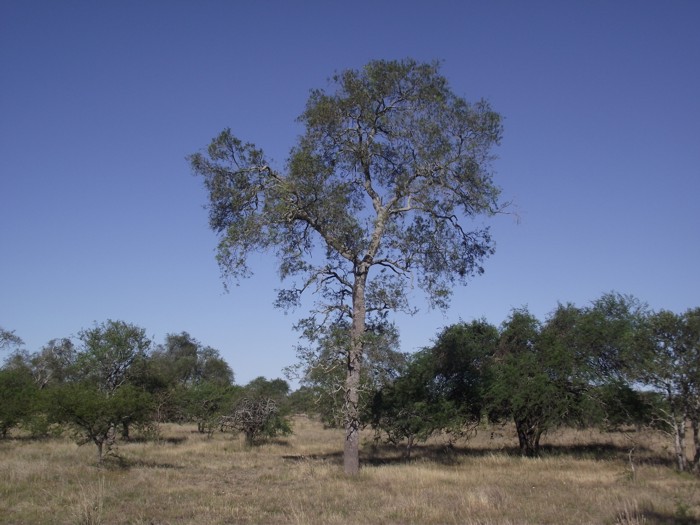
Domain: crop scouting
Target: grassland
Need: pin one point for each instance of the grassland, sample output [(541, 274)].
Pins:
[(583, 477)]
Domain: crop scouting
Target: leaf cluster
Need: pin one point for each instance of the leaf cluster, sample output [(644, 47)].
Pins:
[(389, 170), (573, 368)]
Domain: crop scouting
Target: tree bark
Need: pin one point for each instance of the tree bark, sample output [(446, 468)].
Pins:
[(351, 453), (409, 446), (695, 425), (528, 437), (100, 445), (678, 442)]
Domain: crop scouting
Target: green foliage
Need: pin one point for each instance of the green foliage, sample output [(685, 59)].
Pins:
[(205, 403), (323, 363), (175, 362), (270, 393), (275, 389), (442, 389), (18, 398), (95, 414), (534, 379), (91, 389), (668, 361), (615, 405), (607, 337), (406, 409), (55, 363), (461, 359), (191, 381), (109, 351), (185, 361), (303, 401), (256, 418), (9, 340), (416, 162)]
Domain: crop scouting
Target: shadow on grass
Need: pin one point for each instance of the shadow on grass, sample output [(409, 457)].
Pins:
[(169, 440), (334, 458), (26, 438), (660, 518), (606, 451), (278, 442), (387, 454), (117, 462), (383, 455)]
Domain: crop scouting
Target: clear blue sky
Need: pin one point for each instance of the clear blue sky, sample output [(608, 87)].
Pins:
[(100, 102)]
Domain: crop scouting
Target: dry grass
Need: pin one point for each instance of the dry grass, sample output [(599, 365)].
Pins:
[(583, 477)]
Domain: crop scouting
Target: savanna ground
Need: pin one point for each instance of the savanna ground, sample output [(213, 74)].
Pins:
[(583, 477)]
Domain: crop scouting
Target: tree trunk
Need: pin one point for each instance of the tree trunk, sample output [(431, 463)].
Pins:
[(409, 446), (528, 437), (125, 430), (99, 444), (695, 425), (351, 453), (678, 442)]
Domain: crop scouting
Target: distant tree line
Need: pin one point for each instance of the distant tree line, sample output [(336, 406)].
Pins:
[(612, 364), (112, 379)]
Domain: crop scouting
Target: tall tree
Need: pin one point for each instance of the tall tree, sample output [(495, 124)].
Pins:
[(261, 410), (387, 177)]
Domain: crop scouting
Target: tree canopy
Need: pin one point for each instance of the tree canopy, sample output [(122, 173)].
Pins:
[(379, 193)]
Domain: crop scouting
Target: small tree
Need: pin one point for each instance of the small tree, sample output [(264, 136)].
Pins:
[(407, 408), (255, 418), (462, 357), (691, 336), (99, 394), (378, 194), (18, 396), (535, 377), (443, 388), (191, 381), (205, 403), (94, 415), (670, 364)]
